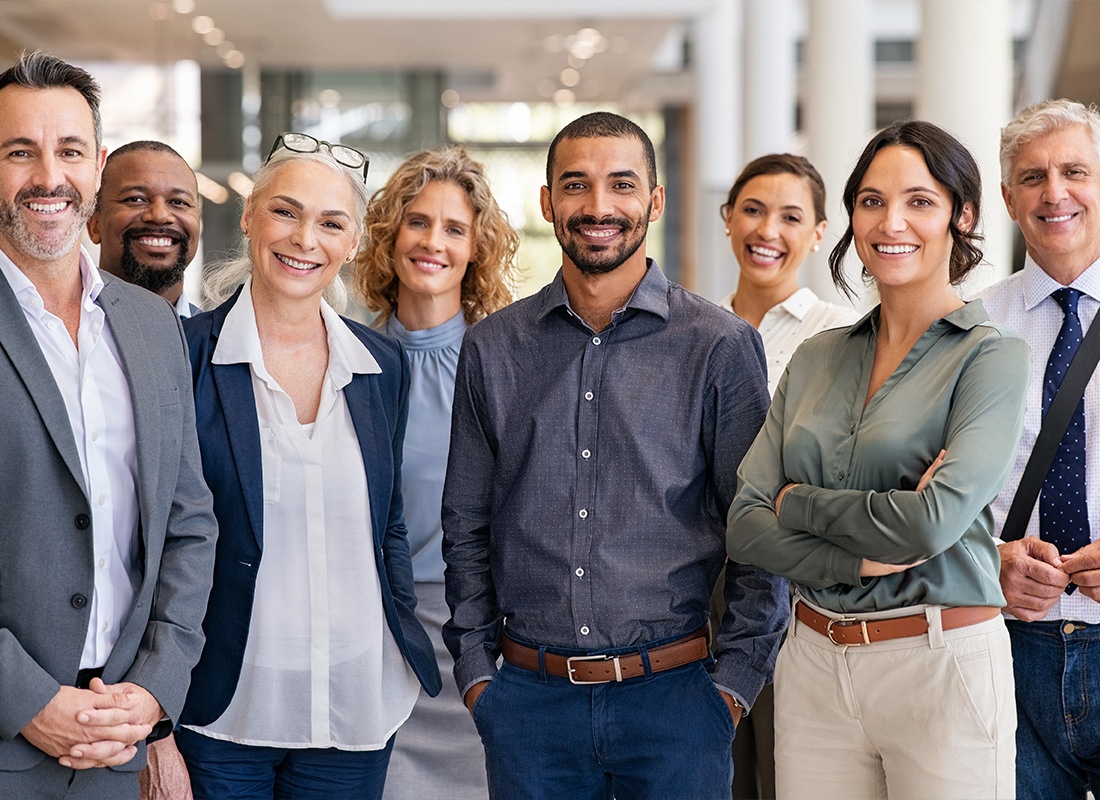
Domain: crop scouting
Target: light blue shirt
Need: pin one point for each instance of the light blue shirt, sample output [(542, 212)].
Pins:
[(433, 357)]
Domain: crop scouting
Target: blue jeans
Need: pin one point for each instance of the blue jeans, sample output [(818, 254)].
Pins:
[(667, 736), (223, 770), (1058, 705)]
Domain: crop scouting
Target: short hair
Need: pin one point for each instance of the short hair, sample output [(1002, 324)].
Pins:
[(780, 164), (951, 164), (221, 280), (1039, 119), (39, 70), (143, 145), (603, 124), (490, 276)]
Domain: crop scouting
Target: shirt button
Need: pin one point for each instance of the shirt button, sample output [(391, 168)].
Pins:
[(105, 626), (585, 453), (852, 430), (101, 499), (95, 436), (840, 476), (583, 513), (102, 563), (588, 395), (584, 630), (50, 325), (596, 340), (580, 572)]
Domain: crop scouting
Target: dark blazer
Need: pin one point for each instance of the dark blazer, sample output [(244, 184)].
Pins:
[(229, 438), (46, 551)]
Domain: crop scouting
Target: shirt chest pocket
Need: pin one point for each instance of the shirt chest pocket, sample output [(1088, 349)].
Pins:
[(271, 463)]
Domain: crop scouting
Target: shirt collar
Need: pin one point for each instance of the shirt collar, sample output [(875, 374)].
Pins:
[(1038, 285), (239, 342), (26, 293), (183, 306), (969, 315), (798, 305), (651, 294)]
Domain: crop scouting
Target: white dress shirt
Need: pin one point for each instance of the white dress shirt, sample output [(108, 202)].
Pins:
[(91, 380), (790, 323), (183, 306), (321, 668), (1023, 302)]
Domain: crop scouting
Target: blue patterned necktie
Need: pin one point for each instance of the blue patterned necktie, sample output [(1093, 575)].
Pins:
[(1063, 511)]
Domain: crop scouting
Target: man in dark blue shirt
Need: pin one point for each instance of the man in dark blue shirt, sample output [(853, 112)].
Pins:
[(597, 430)]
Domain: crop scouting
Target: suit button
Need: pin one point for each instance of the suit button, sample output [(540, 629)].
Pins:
[(82, 521), (78, 601)]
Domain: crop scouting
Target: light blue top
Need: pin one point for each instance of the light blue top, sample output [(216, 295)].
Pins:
[(433, 356)]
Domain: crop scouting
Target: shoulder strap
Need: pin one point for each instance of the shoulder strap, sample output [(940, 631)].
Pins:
[(1051, 432)]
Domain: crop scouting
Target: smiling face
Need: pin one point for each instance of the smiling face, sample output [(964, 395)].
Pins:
[(601, 202), (901, 220), (147, 222), (1053, 193), (49, 173), (772, 230), (302, 225), (434, 246)]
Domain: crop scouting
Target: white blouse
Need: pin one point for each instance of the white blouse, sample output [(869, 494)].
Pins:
[(791, 322), (321, 668)]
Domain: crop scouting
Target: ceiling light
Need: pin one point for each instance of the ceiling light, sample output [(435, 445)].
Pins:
[(214, 37), (450, 98), (564, 97), (160, 12), (570, 77), (202, 25), (183, 6), (234, 59)]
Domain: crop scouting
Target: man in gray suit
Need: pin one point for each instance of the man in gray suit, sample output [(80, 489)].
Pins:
[(107, 531)]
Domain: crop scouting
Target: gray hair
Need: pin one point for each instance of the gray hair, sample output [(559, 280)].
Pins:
[(39, 70), (222, 279), (1042, 118)]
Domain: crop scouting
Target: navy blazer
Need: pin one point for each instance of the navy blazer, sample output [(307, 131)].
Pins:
[(229, 438)]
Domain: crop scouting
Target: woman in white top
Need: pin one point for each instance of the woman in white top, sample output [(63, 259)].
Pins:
[(775, 217), (313, 654)]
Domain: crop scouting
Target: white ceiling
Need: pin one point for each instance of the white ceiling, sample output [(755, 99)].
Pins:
[(501, 50)]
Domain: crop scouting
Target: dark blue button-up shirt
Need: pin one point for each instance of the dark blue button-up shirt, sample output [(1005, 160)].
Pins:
[(589, 478)]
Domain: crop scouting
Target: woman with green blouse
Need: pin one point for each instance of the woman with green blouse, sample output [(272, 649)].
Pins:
[(869, 487)]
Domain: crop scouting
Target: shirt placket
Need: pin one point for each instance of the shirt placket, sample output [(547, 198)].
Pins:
[(585, 517)]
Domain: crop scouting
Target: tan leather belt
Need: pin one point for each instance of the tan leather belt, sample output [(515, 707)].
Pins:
[(608, 669), (853, 632)]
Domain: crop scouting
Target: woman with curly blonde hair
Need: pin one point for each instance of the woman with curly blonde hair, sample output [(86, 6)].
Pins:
[(440, 255)]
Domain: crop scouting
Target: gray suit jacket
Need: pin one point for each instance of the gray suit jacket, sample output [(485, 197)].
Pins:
[(46, 562)]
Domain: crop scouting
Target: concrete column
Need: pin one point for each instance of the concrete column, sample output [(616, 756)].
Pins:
[(964, 84), (838, 105), (717, 143), (769, 69)]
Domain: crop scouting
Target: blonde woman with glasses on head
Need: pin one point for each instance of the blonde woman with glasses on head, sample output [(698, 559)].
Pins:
[(314, 657)]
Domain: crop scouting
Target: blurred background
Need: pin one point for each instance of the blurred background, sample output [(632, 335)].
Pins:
[(714, 82)]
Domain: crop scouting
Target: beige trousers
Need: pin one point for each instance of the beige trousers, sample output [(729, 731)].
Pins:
[(929, 716)]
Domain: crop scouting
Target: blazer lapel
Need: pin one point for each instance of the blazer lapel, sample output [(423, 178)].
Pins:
[(370, 430), (238, 404), (141, 377), (18, 341)]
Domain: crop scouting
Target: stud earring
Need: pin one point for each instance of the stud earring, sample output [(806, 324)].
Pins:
[(727, 231), (817, 247)]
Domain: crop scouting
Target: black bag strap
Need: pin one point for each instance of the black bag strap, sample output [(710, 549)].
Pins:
[(1051, 432)]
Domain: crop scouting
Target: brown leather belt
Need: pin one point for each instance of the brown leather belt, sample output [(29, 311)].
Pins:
[(853, 632), (608, 669)]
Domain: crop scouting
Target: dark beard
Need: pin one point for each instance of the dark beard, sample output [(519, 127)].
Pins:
[(155, 279), (597, 260)]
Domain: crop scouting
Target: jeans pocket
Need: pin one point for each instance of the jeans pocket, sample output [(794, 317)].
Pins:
[(716, 700)]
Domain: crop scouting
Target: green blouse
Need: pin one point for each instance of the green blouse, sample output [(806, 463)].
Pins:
[(960, 388)]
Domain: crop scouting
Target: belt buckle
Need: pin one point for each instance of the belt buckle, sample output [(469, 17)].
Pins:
[(569, 668), (848, 622)]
